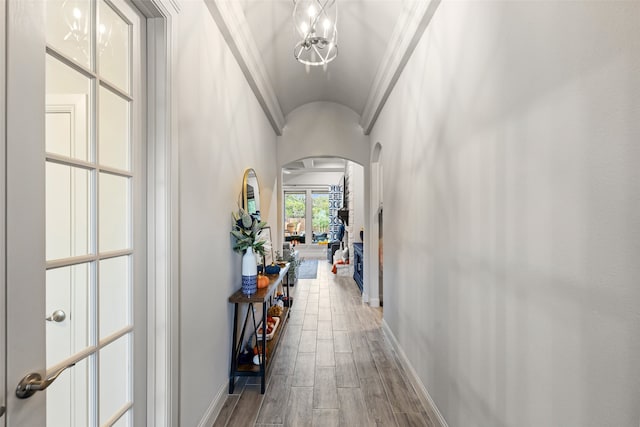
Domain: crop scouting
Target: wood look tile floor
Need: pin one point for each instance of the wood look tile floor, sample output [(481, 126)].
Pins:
[(333, 367)]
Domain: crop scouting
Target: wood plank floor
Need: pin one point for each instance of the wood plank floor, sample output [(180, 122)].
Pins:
[(333, 368)]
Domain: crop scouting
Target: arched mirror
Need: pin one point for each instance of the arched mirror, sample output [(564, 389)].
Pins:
[(251, 193)]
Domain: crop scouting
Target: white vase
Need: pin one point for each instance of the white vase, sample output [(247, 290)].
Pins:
[(249, 272)]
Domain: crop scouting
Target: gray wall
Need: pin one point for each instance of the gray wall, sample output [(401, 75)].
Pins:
[(223, 131), (512, 212)]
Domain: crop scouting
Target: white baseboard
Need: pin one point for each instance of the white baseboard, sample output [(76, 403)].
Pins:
[(215, 407), (417, 383), (374, 302)]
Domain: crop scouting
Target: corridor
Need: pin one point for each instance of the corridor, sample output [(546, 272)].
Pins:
[(333, 368)]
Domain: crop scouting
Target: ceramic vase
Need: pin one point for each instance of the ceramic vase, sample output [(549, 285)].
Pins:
[(249, 272)]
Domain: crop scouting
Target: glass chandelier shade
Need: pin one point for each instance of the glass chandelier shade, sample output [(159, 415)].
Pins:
[(315, 22), (73, 21)]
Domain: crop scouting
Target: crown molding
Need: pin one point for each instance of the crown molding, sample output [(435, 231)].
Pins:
[(413, 21), (234, 27)]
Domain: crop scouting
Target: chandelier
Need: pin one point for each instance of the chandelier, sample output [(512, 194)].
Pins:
[(78, 23), (316, 23)]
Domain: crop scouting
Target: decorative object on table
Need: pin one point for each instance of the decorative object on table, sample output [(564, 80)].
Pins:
[(246, 229), (249, 272), (272, 269), (265, 235), (272, 325), (275, 310), (263, 281), (280, 262), (257, 351)]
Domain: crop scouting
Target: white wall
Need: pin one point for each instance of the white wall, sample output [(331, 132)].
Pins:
[(512, 215), (223, 131)]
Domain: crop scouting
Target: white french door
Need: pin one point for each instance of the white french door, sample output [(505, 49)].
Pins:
[(75, 207)]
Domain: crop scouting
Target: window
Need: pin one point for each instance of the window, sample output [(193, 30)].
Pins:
[(294, 217)]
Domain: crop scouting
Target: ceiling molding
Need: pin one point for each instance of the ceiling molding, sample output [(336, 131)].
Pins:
[(234, 27), (311, 170), (407, 33)]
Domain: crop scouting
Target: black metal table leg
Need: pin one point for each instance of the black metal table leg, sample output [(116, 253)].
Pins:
[(232, 370), (289, 301), (263, 365)]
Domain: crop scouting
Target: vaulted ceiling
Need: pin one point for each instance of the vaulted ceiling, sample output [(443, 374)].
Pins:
[(375, 39), (364, 31)]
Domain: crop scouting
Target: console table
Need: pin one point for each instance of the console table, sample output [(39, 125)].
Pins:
[(262, 296), (358, 264)]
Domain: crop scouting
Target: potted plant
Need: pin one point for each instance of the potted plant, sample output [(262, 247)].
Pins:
[(246, 230)]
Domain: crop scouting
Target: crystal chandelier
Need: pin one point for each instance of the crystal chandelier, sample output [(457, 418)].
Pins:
[(316, 23)]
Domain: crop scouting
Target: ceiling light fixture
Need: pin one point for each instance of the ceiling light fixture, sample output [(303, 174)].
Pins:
[(79, 24), (315, 22)]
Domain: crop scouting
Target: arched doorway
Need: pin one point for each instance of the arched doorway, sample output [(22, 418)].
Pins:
[(314, 192)]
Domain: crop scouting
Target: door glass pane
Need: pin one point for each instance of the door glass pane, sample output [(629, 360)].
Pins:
[(113, 143), (67, 296), (69, 28), (320, 217), (68, 397), (114, 47), (114, 377), (125, 420), (68, 209), (114, 211), (114, 284), (294, 214), (67, 113)]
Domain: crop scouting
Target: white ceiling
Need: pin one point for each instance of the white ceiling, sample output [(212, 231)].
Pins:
[(316, 164), (365, 28), (316, 170)]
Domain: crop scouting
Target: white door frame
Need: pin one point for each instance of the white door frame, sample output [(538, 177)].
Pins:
[(163, 346), (162, 198), (25, 147), (3, 254)]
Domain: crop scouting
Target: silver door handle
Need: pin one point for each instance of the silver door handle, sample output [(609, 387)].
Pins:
[(57, 316), (33, 382)]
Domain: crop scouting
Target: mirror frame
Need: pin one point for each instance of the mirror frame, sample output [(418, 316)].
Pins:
[(245, 182)]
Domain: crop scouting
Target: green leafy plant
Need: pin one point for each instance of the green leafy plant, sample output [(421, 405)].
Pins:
[(246, 230)]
